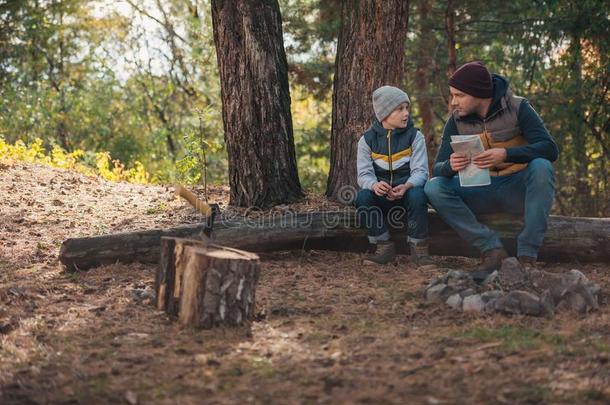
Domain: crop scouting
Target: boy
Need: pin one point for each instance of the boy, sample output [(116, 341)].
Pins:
[(392, 168)]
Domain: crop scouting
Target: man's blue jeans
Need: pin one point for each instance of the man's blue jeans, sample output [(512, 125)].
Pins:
[(530, 192), (374, 211)]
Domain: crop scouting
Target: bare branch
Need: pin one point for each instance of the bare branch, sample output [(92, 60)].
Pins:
[(147, 14)]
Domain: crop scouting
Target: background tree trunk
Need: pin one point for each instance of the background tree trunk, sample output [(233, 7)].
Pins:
[(370, 53), (581, 161), (255, 102), (451, 47), (425, 66)]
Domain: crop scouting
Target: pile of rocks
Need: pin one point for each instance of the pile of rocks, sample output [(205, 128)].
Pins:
[(516, 290)]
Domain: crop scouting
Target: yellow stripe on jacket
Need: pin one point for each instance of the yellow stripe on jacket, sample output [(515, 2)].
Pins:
[(396, 156)]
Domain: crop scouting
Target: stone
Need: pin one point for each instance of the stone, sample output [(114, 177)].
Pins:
[(131, 397), (435, 293), (467, 292), (541, 294), (440, 280), (577, 276), (520, 303), (589, 294), (577, 303), (454, 301), (473, 303), (491, 295), (580, 298), (459, 279), (594, 289), (200, 358), (490, 307), (547, 303), (490, 279), (511, 272), (142, 293), (457, 274)]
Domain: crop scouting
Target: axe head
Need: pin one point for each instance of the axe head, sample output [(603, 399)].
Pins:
[(209, 221)]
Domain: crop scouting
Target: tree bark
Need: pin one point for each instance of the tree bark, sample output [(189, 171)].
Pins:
[(567, 238), (206, 285), (425, 65), (450, 30), (451, 48), (255, 102), (370, 53), (581, 199)]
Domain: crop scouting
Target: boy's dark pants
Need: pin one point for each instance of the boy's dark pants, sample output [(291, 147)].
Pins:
[(373, 209)]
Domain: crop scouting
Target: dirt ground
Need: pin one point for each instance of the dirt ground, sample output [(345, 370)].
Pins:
[(328, 330)]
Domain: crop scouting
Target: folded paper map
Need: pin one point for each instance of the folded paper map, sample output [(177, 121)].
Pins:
[(471, 175)]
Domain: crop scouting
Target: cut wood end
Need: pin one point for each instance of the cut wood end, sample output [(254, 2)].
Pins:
[(225, 254), (222, 252)]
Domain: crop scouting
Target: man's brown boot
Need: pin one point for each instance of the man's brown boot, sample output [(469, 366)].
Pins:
[(491, 261), (385, 252), (420, 254)]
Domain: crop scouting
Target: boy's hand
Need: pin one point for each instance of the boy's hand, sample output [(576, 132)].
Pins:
[(490, 158), (398, 191), (381, 188), (458, 161)]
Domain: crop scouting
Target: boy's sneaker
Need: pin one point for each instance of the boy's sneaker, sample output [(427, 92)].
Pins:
[(385, 252), (420, 254)]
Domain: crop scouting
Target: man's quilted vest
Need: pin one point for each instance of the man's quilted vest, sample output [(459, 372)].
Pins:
[(499, 130)]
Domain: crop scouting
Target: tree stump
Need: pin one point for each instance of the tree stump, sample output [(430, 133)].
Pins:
[(204, 284)]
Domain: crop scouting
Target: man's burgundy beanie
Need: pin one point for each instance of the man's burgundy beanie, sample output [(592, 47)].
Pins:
[(473, 78)]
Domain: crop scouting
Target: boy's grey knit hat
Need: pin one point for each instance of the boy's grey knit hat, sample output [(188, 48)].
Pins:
[(386, 99)]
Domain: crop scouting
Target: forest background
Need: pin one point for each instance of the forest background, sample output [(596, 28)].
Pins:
[(137, 81)]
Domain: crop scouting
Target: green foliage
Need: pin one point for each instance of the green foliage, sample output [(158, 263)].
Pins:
[(143, 84), (556, 55), (101, 163), (310, 32), (64, 87), (311, 121), (203, 158)]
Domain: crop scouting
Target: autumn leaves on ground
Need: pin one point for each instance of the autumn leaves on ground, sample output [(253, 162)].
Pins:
[(328, 330)]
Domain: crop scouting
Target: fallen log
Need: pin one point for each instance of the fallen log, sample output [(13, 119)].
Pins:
[(567, 238)]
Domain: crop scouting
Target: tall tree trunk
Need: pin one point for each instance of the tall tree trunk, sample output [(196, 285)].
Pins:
[(255, 102), (62, 130), (450, 30), (582, 200), (451, 48), (370, 53), (425, 65)]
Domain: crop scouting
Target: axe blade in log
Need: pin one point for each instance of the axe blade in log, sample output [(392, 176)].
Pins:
[(208, 210)]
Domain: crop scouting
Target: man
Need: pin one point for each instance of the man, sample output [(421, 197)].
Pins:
[(518, 153), (392, 166)]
